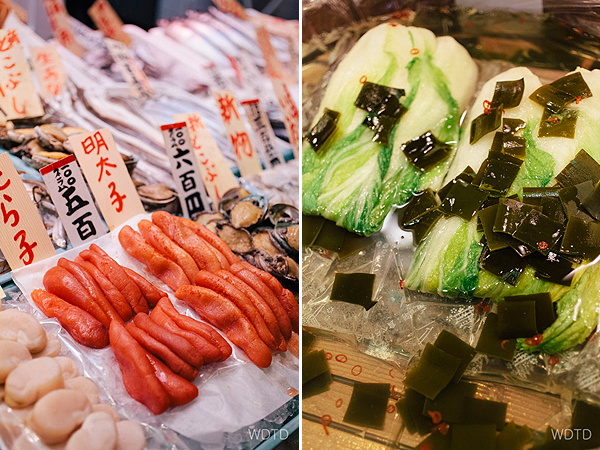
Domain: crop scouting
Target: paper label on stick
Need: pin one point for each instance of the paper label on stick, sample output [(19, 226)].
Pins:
[(274, 67), (49, 69), (218, 177), (61, 26), (134, 76), (232, 7), (18, 97), (73, 200), (291, 116), (216, 77), (2, 295), (107, 176), (238, 135), (23, 236), (265, 137), (108, 21), (185, 169)]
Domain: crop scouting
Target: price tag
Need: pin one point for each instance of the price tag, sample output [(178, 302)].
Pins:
[(185, 168), (61, 26), (265, 137), (291, 116), (18, 98), (107, 176), (134, 76), (73, 201), (18, 10), (4, 10), (49, 69), (108, 21), (23, 236), (216, 77), (251, 76), (238, 135), (218, 177), (2, 295), (274, 67), (232, 7)]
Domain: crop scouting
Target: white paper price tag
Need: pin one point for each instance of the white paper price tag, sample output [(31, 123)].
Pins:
[(265, 137)]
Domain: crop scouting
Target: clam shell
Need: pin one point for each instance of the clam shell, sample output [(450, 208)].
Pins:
[(238, 240)]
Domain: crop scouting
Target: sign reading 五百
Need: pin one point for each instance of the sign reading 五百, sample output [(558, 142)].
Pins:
[(108, 21), (218, 177), (134, 76), (238, 135), (107, 176), (73, 201), (291, 116), (49, 70), (61, 26), (185, 168), (23, 236), (18, 98), (265, 137)]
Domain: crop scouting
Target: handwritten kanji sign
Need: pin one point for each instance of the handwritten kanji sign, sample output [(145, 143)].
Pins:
[(265, 137), (107, 176), (73, 200), (274, 67), (23, 236), (185, 168), (216, 78), (134, 76), (61, 26), (18, 98), (108, 21), (238, 135), (217, 176), (291, 116), (49, 70)]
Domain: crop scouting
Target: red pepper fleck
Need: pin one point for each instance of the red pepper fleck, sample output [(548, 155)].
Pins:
[(503, 343), (356, 370), (553, 119), (391, 409), (393, 24), (391, 372), (338, 402), (441, 428), (543, 245), (414, 51), (535, 340), (436, 416), (487, 111), (487, 104), (363, 79), (325, 421), (401, 284), (328, 355), (553, 360), (341, 358), (577, 100)]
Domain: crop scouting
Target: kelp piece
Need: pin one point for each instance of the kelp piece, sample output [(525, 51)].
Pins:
[(426, 151), (506, 264), (490, 344), (450, 403), (556, 95), (585, 417), (592, 203), (324, 128), (544, 309), (500, 172), (331, 237), (455, 346), (512, 126), (572, 198), (419, 205), (497, 142), (467, 175), (553, 440), (308, 339), (433, 372), (480, 411), (548, 199), (313, 365), (581, 238), (435, 441), (485, 123), (580, 169), (515, 146), (424, 225), (354, 243), (488, 217), (516, 319), (383, 119), (553, 267), (355, 288), (372, 95), (534, 195), (512, 438), (317, 385), (368, 405), (463, 200), (507, 94), (539, 231), (561, 124), (510, 214), (473, 437), (410, 409), (479, 175), (311, 227)]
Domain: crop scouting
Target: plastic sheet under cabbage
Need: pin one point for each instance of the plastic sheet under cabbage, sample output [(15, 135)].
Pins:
[(232, 394)]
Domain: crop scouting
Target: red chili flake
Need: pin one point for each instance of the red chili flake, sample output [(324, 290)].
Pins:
[(356, 370), (363, 79), (401, 284), (341, 358), (391, 409), (482, 307), (393, 24), (391, 372), (503, 343), (441, 428), (577, 100), (543, 245), (328, 355), (553, 360), (487, 104), (436, 416), (536, 340), (414, 51), (487, 111), (325, 421), (553, 119), (338, 402)]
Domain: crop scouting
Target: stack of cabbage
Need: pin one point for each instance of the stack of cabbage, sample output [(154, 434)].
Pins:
[(354, 180)]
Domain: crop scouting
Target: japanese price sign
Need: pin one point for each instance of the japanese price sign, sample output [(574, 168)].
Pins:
[(185, 168), (265, 137), (291, 116), (238, 135), (232, 7), (23, 236), (107, 176), (73, 200), (218, 177), (108, 21), (134, 76), (216, 77), (18, 98), (49, 69), (61, 26), (274, 67)]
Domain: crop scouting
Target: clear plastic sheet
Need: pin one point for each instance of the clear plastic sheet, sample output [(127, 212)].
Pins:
[(223, 402)]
